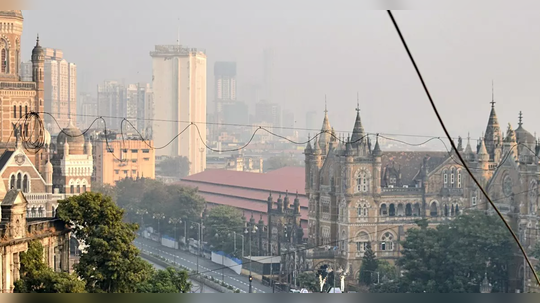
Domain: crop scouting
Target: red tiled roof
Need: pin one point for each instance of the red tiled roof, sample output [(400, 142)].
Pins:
[(280, 180)]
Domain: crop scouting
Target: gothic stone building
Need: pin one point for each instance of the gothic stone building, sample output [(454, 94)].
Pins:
[(359, 193), (17, 231)]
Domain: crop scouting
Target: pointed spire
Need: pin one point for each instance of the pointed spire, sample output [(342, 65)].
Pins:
[(493, 135), (520, 117), (377, 149), (358, 130), (492, 95), (482, 151), (308, 145)]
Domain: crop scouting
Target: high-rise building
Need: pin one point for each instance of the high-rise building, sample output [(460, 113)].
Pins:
[(287, 123), (140, 107), (269, 112), (60, 89), (86, 110), (224, 86), (111, 104), (179, 84)]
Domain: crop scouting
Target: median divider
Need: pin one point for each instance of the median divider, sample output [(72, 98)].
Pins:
[(204, 279)]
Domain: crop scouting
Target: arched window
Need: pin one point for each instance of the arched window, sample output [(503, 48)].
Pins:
[(433, 209), (363, 211), (474, 198), (19, 181), (459, 178), (452, 177), (25, 184), (445, 177), (40, 212), (33, 212), (391, 210), (362, 182), (452, 211), (384, 211), (457, 210), (400, 210), (3, 57), (362, 240), (416, 209), (387, 242), (20, 111), (408, 210), (72, 189), (14, 111), (84, 188), (446, 210), (12, 182), (26, 109), (78, 189)]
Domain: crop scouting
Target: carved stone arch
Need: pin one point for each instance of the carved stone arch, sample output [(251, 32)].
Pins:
[(434, 208)]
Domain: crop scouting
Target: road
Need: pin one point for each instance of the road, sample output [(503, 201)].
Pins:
[(196, 286), (206, 267)]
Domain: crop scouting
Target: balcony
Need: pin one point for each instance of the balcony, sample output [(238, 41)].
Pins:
[(322, 254), (401, 190)]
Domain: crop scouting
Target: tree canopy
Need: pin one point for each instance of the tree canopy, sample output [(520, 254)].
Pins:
[(221, 222), (111, 263), (455, 257), (37, 277), (174, 167), (169, 280)]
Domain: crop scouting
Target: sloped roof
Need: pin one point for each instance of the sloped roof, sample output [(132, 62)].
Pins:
[(5, 158), (410, 162), (280, 180), (10, 197)]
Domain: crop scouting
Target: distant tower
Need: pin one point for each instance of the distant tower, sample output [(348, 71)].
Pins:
[(268, 72)]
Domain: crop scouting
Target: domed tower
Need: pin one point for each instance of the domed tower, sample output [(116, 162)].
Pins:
[(526, 143), (73, 162), (11, 27)]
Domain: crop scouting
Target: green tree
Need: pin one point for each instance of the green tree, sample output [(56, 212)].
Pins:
[(454, 257), (387, 271), (168, 280), (110, 263), (174, 167), (309, 281), (277, 162), (37, 277), (368, 267), (220, 223)]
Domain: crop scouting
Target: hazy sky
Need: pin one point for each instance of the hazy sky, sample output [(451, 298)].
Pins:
[(333, 52)]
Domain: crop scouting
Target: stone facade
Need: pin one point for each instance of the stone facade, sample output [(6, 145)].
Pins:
[(16, 231), (358, 193)]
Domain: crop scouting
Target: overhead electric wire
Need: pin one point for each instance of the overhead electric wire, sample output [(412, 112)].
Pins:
[(454, 147)]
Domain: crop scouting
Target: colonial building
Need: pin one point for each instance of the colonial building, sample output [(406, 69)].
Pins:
[(16, 231), (359, 193)]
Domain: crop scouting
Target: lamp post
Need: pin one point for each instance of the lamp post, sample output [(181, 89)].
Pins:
[(200, 243), (185, 231), (234, 233), (251, 230), (141, 212), (159, 217)]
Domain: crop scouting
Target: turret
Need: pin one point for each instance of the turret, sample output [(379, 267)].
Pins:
[(377, 149), (296, 204), (270, 203), (469, 154), (66, 148), (308, 150), (324, 138), (88, 147), (286, 201)]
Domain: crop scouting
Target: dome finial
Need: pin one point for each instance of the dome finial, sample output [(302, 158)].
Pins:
[(520, 123), (492, 95), (325, 105), (357, 102), (37, 40)]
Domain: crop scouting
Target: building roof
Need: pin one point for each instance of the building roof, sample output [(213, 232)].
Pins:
[(410, 162), (5, 158), (13, 13), (10, 197), (279, 180)]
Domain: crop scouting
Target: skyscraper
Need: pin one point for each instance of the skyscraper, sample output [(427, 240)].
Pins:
[(111, 102), (60, 89), (224, 86), (179, 84), (139, 108)]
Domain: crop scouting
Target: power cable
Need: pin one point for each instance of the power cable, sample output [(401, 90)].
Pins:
[(454, 147)]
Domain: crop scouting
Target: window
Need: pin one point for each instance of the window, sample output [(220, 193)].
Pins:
[(14, 111), (391, 210), (473, 197), (20, 111), (26, 109), (134, 150), (72, 189), (134, 160), (384, 212), (433, 209), (133, 171), (452, 178), (145, 151), (445, 177), (362, 182), (78, 189), (408, 210), (25, 184), (362, 241), (459, 179), (146, 159), (116, 171), (124, 150), (125, 172), (110, 150), (12, 182), (19, 181), (387, 242), (363, 210), (3, 55)]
